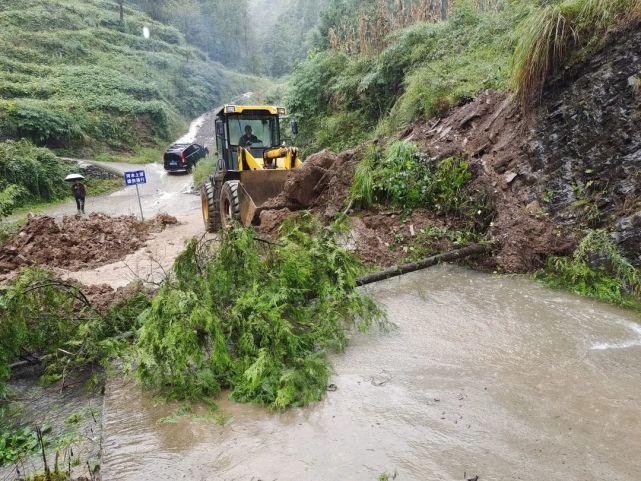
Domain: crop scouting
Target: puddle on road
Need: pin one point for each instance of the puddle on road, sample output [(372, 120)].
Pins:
[(485, 375)]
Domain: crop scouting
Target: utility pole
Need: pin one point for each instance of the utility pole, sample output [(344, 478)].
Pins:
[(122, 10)]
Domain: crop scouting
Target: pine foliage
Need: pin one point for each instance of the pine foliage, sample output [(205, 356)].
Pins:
[(253, 319)]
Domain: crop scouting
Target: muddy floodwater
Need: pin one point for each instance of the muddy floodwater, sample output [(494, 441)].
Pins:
[(484, 375)]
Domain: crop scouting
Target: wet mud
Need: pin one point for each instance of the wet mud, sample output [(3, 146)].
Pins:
[(484, 375)]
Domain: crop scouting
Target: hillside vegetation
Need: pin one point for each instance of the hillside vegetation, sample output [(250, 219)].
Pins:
[(364, 83), (539, 99), (76, 78)]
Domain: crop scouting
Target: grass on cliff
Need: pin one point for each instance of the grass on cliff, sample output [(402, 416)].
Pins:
[(557, 33), (255, 318), (426, 69), (400, 176)]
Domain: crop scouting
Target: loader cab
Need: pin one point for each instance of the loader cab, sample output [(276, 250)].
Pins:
[(231, 124)]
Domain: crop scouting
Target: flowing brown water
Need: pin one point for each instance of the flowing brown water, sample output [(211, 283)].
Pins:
[(485, 375)]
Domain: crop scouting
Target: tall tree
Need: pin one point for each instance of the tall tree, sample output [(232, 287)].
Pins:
[(444, 8)]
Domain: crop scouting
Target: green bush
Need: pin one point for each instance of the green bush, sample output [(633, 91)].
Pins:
[(203, 169), (253, 319), (16, 444), (596, 269), (402, 177), (29, 174), (340, 132)]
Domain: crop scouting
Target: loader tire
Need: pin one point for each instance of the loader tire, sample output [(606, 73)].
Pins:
[(210, 210), (229, 203)]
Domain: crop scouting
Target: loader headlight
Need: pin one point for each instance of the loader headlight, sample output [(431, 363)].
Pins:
[(230, 108), (281, 111)]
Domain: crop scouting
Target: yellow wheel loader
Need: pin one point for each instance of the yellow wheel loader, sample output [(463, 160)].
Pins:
[(251, 165)]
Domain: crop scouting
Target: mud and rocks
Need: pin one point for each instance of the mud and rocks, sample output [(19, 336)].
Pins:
[(572, 163), (74, 242), (386, 238), (103, 296), (321, 185), (491, 133), (97, 172)]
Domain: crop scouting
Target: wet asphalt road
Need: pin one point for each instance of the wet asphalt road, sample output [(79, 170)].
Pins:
[(494, 376)]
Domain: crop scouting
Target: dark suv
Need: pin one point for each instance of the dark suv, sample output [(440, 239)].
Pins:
[(183, 157)]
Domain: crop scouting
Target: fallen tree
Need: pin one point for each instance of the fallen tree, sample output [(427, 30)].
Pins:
[(253, 317), (62, 325), (475, 249)]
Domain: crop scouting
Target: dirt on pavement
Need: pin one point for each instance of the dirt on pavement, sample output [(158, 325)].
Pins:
[(77, 242)]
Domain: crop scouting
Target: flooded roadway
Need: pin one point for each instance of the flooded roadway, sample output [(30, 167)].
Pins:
[(485, 375)]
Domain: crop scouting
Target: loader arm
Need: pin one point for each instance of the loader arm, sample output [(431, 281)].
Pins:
[(281, 158)]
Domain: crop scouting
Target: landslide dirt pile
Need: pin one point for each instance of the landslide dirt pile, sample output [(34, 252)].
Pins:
[(492, 134), (103, 296), (77, 242), (321, 185), (570, 164), (388, 238)]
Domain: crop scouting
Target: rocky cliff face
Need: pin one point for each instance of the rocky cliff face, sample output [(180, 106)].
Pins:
[(573, 163), (586, 147)]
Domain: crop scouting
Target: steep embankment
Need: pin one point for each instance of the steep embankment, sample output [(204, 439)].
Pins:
[(573, 164), (75, 77)]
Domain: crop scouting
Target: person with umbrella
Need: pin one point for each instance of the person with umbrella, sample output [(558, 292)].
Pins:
[(78, 190)]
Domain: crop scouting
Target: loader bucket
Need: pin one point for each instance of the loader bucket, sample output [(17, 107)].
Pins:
[(256, 187)]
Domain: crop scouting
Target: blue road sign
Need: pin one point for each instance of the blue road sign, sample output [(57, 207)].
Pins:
[(135, 177)]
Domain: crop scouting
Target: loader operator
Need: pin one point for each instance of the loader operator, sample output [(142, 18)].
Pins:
[(249, 138)]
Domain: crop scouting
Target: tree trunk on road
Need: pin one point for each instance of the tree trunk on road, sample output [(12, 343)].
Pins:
[(395, 271)]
